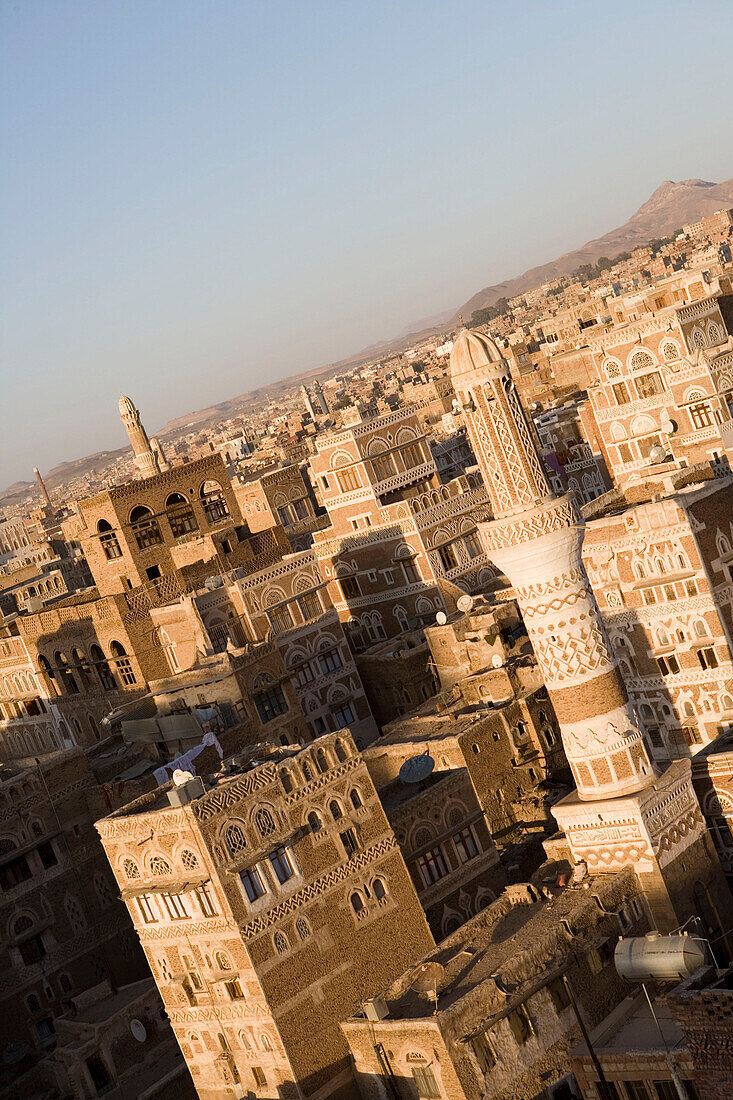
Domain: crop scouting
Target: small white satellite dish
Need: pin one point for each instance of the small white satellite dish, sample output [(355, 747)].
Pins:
[(180, 777), (496, 661), (657, 454), (668, 427), (465, 603), (417, 768), (137, 1027), (441, 618)]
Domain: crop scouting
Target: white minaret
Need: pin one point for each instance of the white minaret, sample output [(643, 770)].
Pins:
[(535, 539), (623, 813), (149, 456), (308, 402)]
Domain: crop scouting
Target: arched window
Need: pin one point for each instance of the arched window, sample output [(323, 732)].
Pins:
[(379, 888), (670, 352), (701, 629), (321, 761), (357, 902), (122, 662), (355, 799), (286, 780), (265, 1041), (280, 943), (639, 570), (65, 983), (307, 771), (145, 527), (131, 869), (213, 500), (422, 837), (726, 702), (303, 928), (660, 566), (689, 709), (340, 750), (23, 924), (66, 676), (264, 822), (159, 866), (663, 636), (244, 1040), (33, 1003), (37, 828), (189, 860), (49, 673), (180, 515), (314, 822), (108, 540), (235, 839), (335, 810), (100, 663), (81, 668)]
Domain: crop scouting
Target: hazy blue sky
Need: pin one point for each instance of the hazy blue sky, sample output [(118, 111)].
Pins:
[(200, 197)]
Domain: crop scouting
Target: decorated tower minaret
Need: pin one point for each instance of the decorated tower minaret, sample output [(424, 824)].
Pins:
[(535, 539), (149, 456), (622, 813)]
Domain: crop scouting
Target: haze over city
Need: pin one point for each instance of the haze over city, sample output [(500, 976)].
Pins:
[(202, 198)]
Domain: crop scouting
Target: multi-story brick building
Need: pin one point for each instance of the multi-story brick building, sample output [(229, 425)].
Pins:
[(489, 1014), (399, 541), (269, 906), (660, 569), (64, 929), (663, 395)]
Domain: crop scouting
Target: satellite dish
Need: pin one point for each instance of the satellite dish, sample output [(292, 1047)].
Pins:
[(465, 603), (496, 661), (657, 454), (180, 777), (441, 618), (417, 768), (427, 977), (669, 427), (137, 1027)]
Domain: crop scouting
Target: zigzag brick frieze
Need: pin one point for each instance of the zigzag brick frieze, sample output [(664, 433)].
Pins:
[(319, 887), (149, 933)]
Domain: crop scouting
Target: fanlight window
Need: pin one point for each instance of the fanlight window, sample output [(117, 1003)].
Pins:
[(235, 840), (264, 822), (280, 941), (670, 352), (214, 503), (303, 928), (159, 866), (640, 360), (612, 369), (131, 868), (222, 961), (189, 860), (701, 629), (22, 925)]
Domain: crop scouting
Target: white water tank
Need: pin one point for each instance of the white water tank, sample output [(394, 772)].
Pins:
[(664, 958)]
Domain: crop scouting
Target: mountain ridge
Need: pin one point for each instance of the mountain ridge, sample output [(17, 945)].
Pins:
[(669, 207)]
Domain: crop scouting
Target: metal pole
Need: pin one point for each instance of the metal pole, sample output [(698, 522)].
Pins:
[(602, 1082), (681, 1090)]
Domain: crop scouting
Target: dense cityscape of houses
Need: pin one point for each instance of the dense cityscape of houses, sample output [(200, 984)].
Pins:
[(349, 747)]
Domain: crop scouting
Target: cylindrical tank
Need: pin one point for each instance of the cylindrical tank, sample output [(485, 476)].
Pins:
[(664, 958)]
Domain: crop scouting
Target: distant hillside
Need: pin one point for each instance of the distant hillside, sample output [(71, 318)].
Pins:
[(671, 206)]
